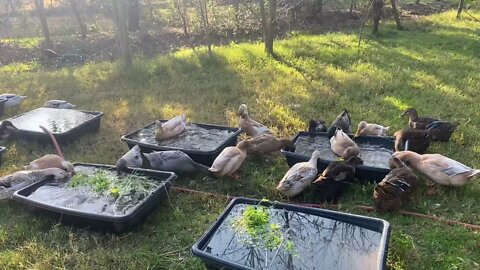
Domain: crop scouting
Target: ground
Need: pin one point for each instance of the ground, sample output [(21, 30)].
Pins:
[(432, 66)]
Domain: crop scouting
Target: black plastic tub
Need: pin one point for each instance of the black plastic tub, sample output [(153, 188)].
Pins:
[(364, 172), (205, 157), (64, 128), (320, 239), (112, 223), (2, 151)]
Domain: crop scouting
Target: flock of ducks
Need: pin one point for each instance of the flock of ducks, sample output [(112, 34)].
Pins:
[(390, 194)]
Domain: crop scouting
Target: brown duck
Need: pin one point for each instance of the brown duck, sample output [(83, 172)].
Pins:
[(395, 190), (343, 122), (335, 178), (441, 130), (418, 140), (417, 122), (268, 143)]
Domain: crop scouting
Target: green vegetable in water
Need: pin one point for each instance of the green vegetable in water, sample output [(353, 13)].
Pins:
[(255, 229)]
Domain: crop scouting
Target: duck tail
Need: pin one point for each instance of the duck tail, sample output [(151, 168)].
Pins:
[(474, 173), (55, 143)]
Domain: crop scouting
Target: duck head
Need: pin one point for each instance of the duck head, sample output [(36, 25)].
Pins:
[(316, 126), (409, 158), (351, 152), (68, 167), (315, 156), (360, 129), (354, 160), (288, 145), (243, 110), (395, 162), (244, 145), (411, 113)]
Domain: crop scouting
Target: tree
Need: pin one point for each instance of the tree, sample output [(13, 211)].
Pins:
[(202, 13), (43, 21), (181, 8), (396, 14), (134, 15), (80, 19), (377, 8), (460, 9), (268, 23), (120, 8)]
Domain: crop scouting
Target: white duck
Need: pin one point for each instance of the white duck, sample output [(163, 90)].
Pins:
[(341, 144), (230, 160), (59, 104), (12, 100), (171, 128), (299, 176), (368, 129), (438, 168), (250, 126)]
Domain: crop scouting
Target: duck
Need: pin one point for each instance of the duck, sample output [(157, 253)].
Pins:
[(132, 159), (17, 180), (171, 128), (250, 126), (317, 126), (268, 143), (442, 130), (175, 161), (299, 176), (341, 143), (418, 140), (51, 161), (394, 191), (338, 174), (439, 168), (58, 104), (7, 130), (417, 122), (230, 160), (368, 129), (12, 100), (343, 122)]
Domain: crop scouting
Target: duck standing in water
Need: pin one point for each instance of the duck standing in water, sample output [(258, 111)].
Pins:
[(175, 161), (7, 130), (299, 176), (250, 126), (335, 178), (417, 122), (12, 100), (343, 122), (267, 143), (367, 129), (438, 168), (58, 104), (230, 160), (341, 144), (17, 180), (317, 126), (171, 128), (395, 190), (133, 158)]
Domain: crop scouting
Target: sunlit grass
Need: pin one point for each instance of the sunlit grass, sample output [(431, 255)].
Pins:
[(432, 66)]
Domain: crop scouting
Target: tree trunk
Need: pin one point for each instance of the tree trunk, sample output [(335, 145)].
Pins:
[(181, 10), (396, 14), (272, 16), (134, 15), (43, 21), (352, 6), (317, 8), (377, 7), (417, 2), (460, 9), (80, 19), (120, 8), (202, 12)]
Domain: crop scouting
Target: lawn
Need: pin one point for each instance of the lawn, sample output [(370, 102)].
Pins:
[(433, 66)]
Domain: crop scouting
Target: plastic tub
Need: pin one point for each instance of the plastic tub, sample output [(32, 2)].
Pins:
[(103, 222), (363, 172), (203, 157), (321, 239)]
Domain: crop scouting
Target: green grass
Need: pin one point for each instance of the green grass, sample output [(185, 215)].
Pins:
[(432, 66)]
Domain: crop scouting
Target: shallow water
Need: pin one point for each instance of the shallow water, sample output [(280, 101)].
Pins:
[(56, 120), (82, 198), (193, 138), (371, 154), (319, 243)]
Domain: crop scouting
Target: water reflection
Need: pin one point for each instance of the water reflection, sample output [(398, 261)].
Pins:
[(320, 243), (371, 154), (56, 120), (193, 138)]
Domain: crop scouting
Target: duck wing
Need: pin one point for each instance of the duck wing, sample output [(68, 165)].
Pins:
[(445, 165), (174, 122), (222, 160), (339, 171), (300, 173), (443, 125)]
